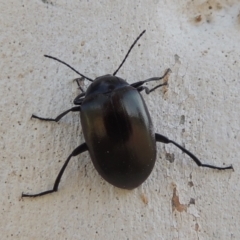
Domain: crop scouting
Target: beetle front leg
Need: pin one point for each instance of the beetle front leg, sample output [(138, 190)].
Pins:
[(147, 90), (163, 139), (74, 109), (140, 83), (78, 80), (80, 149)]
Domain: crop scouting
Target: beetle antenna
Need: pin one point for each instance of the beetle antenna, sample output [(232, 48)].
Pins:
[(129, 52), (58, 60)]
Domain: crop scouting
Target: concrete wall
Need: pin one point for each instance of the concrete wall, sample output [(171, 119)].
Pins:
[(200, 109)]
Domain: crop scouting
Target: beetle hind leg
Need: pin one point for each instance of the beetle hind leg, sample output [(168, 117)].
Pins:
[(80, 149), (163, 139)]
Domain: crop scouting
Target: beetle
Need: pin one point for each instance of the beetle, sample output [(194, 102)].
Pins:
[(117, 129)]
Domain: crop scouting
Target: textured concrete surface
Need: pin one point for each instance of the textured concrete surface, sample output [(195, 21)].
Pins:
[(200, 108)]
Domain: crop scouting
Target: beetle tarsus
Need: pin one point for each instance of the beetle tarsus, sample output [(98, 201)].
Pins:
[(38, 194)]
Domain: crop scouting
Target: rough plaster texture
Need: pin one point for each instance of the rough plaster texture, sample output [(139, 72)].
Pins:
[(198, 40)]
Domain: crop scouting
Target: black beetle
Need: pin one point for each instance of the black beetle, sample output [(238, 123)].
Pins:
[(118, 130)]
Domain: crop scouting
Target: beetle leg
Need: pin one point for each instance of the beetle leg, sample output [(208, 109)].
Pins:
[(74, 109), (147, 90), (78, 80), (80, 149), (140, 83), (78, 100), (163, 139)]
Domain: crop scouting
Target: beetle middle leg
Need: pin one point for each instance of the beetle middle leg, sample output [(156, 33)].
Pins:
[(74, 109), (80, 149), (163, 139), (77, 101)]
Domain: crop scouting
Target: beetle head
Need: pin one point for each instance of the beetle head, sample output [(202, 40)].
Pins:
[(105, 84)]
